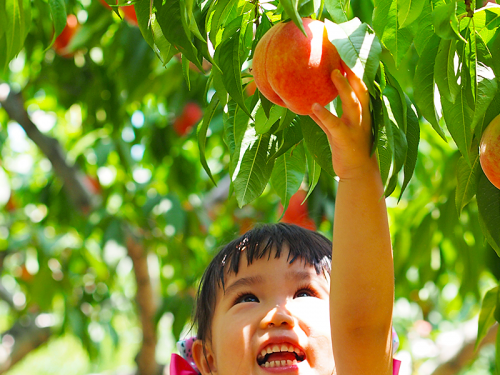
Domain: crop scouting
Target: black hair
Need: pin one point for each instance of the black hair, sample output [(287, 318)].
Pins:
[(311, 247)]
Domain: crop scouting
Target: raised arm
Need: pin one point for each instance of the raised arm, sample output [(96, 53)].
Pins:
[(362, 277)]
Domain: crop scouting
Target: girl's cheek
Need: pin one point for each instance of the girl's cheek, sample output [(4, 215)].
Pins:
[(311, 309)]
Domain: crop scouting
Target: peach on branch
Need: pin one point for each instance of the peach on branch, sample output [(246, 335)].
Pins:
[(293, 70), (191, 114), (489, 151), (63, 40)]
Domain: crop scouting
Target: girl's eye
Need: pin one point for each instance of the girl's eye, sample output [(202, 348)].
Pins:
[(305, 292), (246, 298)]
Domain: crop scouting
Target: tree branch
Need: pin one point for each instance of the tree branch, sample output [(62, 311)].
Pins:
[(145, 359), (74, 184), (20, 340), (466, 354)]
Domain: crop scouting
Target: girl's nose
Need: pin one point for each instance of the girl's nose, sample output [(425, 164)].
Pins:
[(277, 317)]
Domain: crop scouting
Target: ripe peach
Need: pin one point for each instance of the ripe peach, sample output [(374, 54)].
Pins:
[(129, 14), (63, 40), (293, 70), (489, 151), (191, 114), (297, 212)]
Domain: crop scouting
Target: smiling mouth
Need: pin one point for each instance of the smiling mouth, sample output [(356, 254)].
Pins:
[(280, 355)]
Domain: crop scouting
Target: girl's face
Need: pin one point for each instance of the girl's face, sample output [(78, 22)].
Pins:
[(273, 318)]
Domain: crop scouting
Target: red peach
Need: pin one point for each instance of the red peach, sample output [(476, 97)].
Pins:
[(489, 151), (63, 40), (293, 70), (129, 14), (191, 114), (297, 212)]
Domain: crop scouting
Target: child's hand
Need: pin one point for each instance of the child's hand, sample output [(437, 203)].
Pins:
[(350, 135)]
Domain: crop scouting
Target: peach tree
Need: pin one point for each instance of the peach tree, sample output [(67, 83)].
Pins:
[(109, 177)]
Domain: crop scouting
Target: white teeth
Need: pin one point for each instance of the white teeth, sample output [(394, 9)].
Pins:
[(276, 348), (263, 353), (284, 348), (281, 363), (290, 349), (269, 350)]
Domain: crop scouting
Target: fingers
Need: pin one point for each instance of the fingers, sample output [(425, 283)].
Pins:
[(358, 86), (354, 95), (324, 118)]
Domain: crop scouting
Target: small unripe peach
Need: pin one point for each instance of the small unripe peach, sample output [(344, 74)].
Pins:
[(489, 151), (293, 70)]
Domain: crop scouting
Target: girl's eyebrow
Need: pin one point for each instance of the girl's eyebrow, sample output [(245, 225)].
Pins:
[(244, 281), (258, 279)]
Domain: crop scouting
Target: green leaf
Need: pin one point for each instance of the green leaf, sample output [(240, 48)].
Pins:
[(220, 90), (58, 12), (290, 136), (264, 26), (383, 149), (191, 21), (235, 127), (385, 22), (317, 143), (469, 60), (169, 16), (396, 108), (399, 145), (467, 176), (424, 84), (142, 11), (18, 23), (287, 119), (266, 104), (413, 139), (445, 21), (409, 11), (229, 118), (444, 69), (486, 22), (288, 173), (313, 170), (228, 59), (337, 11), (263, 123), (291, 9), (359, 48), (162, 47), (487, 314), (202, 133), (252, 171), (488, 204), (487, 84), (425, 28), (458, 118), (221, 9), (185, 71)]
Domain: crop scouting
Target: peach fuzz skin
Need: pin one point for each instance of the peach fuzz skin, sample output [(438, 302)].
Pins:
[(489, 152), (294, 71)]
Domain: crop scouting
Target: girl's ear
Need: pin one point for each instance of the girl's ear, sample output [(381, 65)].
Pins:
[(204, 359)]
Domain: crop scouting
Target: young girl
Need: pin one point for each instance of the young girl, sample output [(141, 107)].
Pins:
[(282, 299)]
